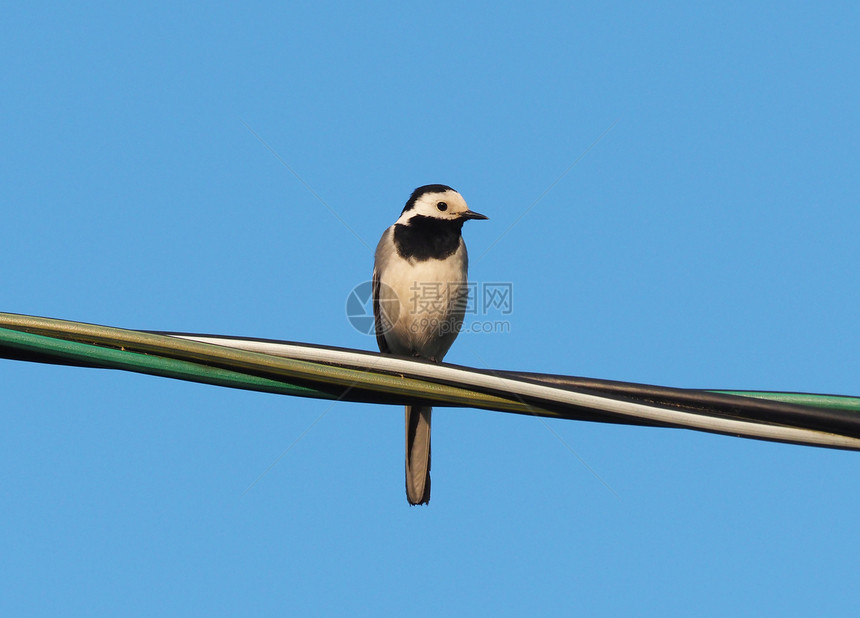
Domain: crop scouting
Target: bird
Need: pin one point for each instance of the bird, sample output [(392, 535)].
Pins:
[(419, 296)]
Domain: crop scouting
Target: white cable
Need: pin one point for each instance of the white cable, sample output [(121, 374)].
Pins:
[(467, 379)]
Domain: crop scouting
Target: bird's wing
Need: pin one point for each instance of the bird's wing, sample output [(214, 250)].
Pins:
[(377, 315)]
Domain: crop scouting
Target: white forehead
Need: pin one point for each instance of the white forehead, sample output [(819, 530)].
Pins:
[(427, 205)]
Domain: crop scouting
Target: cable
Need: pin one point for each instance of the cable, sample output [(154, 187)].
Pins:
[(363, 376)]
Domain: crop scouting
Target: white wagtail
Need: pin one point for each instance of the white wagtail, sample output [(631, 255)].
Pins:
[(419, 298)]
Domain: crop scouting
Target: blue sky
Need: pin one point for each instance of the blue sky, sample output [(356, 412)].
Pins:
[(176, 167)]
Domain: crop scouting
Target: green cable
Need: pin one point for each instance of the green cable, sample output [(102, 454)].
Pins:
[(832, 402), (112, 358)]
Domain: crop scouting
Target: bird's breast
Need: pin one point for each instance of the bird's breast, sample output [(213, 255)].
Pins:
[(432, 296)]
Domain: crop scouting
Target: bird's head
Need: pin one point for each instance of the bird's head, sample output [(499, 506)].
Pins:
[(437, 202)]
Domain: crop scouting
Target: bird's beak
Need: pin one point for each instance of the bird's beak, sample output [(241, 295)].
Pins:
[(472, 215)]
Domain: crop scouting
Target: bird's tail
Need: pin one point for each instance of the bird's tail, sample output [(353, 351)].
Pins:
[(418, 454)]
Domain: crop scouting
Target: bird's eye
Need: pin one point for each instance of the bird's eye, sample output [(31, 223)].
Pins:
[(442, 206)]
